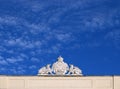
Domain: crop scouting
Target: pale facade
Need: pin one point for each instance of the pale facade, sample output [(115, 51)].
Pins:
[(59, 82)]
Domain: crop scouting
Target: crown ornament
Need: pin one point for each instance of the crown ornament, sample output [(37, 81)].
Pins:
[(60, 68)]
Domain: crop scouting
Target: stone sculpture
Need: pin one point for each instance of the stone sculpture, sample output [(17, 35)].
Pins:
[(59, 68), (74, 70), (45, 70)]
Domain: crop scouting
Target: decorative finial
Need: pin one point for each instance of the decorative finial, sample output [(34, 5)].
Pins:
[(60, 59)]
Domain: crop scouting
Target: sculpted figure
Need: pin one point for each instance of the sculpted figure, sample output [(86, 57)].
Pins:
[(74, 70), (45, 70), (60, 67)]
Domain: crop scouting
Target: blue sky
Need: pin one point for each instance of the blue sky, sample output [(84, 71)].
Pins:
[(85, 33)]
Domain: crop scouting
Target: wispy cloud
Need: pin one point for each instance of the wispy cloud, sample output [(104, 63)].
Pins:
[(114, 37), (33, 59), (14, 60), (64, 37), (7, 20), (38, 27), (17, 71), (3, 61), (23, 43), (32, 67)]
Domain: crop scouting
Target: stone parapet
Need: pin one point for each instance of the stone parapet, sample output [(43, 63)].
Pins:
[(59, 82)]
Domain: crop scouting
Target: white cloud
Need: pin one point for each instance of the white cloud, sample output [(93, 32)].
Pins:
[(11, 60), (1, 57), (35, 59), (43, 30), (23, 43), (24, 56), (3, 62), (2, 69), (17, 71), (20, 23), (14, 60), (32, 67), (26, 42), (11, 42), (2, 49), (95, 22), (36, 28), (114, 37), (8, 20), (54, 49), (64, 37)]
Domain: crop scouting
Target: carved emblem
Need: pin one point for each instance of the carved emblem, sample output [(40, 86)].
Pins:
[(59, 68)]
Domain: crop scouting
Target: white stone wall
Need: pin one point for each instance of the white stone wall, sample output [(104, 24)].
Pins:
[(37, 82), (116, 82)]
